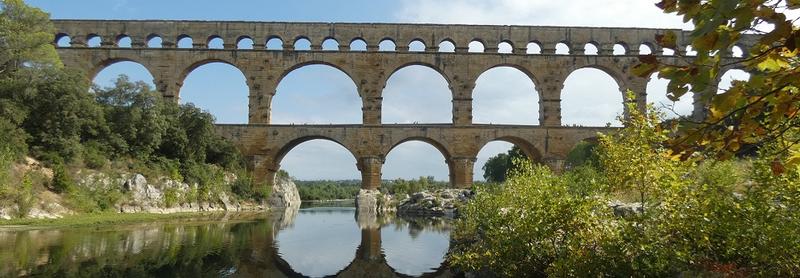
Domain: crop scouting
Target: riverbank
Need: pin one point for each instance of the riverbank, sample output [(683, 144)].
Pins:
[(112, 218)]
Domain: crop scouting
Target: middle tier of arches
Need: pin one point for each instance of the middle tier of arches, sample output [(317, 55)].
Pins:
[(370, 72)]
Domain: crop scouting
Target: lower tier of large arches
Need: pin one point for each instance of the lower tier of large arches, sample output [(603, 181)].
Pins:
[(266, 145)]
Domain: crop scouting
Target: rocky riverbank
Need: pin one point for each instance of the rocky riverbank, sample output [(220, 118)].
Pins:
[(134, 193)]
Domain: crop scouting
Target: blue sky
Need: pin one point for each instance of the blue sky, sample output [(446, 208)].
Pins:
[(502, 95)]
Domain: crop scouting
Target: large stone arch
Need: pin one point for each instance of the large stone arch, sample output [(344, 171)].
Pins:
[(395, 68), (473, 78), (443, 149), (189, 68), (530, 150), (105, 63), (288, 145), (290, 69)]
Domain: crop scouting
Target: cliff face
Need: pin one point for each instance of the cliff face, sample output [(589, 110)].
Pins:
[(284, 194), (120, 192)]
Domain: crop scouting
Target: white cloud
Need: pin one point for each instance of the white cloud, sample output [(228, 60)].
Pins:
[(600, 13)]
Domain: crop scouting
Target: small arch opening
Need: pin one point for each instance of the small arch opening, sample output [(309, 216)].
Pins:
[(185, 41), (667, 51), (154, 41), (124, 41), (533, 48), (505, 48), (245, 43), (737, 52), (562, 49), (416, 46), (274, 44), (645, 49), (358, 45), (302, 44), (330, 44), (93, 40), (620, 49), (215, 42), (447, 46), (590, 49), (387, 45), (476, 47), (63, 41), (690, 51)]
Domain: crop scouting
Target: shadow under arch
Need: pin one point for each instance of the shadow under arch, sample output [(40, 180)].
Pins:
[(291, 144), (96, 69)]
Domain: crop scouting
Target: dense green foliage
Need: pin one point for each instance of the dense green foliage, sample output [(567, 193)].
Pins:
[(583, 154), (498, 166), (328, 190), (762, 109), (54, 115), (402, 187), (348, 189), (696, 218)]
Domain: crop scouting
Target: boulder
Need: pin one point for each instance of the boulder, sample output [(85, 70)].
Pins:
[(284, 194), (625, 209), (442, 202)]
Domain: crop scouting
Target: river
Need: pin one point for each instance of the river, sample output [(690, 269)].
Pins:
[(305, 242)]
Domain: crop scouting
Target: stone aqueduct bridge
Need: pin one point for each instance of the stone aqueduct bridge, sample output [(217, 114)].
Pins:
[(265, 144)]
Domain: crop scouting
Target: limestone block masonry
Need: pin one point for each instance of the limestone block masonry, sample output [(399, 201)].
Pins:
[(265, 144)]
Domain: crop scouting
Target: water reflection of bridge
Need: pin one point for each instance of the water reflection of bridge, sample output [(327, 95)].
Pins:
[(369, 261)]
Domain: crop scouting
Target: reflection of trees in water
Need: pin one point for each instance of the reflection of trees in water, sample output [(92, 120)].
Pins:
[(417, 225), (243, 247), (155, 249)]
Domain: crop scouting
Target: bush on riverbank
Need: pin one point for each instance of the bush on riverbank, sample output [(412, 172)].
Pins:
[(697, 217), (56, 116)]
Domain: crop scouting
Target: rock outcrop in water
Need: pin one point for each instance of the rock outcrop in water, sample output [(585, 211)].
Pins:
[(374, 202), (443, 202), (284, 194)]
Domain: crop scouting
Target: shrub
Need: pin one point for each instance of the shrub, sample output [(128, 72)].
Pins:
[(62, 181), (24, 198), (530, 226), (93, 156), (170, 197)]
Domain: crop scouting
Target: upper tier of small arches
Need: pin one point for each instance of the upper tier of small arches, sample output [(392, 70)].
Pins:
[(366, 37)]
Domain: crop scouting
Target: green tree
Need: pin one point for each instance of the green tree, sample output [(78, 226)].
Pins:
[(26, 36), (634, 158), (135, 113), (498, 166), (760, 110)]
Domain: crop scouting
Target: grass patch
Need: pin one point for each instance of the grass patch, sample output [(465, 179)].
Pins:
[(100, 219)]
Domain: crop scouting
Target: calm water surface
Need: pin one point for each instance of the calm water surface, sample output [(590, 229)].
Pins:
[(306, 242)]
